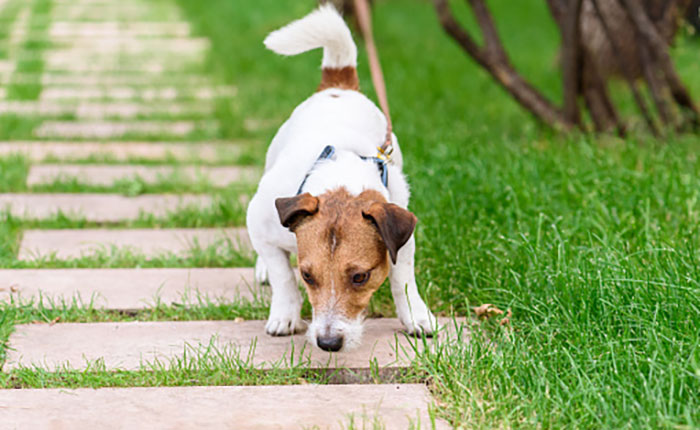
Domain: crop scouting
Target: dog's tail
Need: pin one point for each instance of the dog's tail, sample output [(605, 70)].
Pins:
[(322, 28)]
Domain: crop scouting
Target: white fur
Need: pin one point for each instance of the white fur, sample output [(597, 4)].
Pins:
[(332, 324), (355, 126), (323, 28)]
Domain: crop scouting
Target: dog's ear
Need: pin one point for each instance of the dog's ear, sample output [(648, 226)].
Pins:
[(291, 210), (394, 223)]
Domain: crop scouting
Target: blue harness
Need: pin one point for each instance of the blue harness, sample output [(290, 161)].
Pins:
[(328, 152)]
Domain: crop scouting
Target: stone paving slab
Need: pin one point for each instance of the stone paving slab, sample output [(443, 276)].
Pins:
[(153, 67), (138, 93), (97, 207), (59, 29), (123, 62), (390, 406), (129, 345), (58, 56), (108, 175), (103, 110), (105, 79), (114, 129), (136, 45), (177, 79), (119, 151), (65, 244), (129, 289)]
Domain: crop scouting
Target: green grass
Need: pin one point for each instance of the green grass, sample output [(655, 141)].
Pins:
[(39, 11), (591, 242)]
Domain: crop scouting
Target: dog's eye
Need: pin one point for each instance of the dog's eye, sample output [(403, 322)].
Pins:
[(360, 278), (307, 278)]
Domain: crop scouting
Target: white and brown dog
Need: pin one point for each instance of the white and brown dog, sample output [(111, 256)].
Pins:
[(323, 184)]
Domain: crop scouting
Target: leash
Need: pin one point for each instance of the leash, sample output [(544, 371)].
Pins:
[(364, 20)]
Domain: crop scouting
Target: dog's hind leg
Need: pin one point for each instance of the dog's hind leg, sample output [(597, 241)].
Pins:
[(410, 307), (285, 308)]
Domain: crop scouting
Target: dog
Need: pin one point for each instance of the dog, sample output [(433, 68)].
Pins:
[(325, 197)]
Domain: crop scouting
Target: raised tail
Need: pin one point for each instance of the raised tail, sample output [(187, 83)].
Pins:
[(322, 28)]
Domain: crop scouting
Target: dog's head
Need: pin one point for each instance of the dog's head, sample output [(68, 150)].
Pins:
[(345, 243)]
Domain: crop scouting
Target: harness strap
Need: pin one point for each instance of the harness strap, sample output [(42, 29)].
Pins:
[(328, 153)]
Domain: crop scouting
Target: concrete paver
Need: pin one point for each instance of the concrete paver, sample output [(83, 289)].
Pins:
[(129, 345), (107, 175), (65, 244), (40, 151), (267, 407), (104, 110), (141, 93), (129, 289), (97, 207), (113, 129)]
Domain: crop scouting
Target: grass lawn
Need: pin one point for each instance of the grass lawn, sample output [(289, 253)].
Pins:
[(592, 242)]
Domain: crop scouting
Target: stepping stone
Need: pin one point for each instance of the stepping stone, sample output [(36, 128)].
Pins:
[(103, 110), (389, 407), (154, 67), (121, 151), (134, 345), (114, 129), (108, 175), (139, 93), (66, 244), (134, 45), (97, 207), (116, 62), (117, 79), (129, 289), (60, 29)]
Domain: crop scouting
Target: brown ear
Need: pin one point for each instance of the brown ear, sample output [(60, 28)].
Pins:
[(394, 223), (293, 209)]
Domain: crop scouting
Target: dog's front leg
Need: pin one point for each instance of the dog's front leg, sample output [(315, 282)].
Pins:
[(285, 308), (410, 307)]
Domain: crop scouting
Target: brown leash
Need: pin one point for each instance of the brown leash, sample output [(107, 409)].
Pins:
[(364, 20)]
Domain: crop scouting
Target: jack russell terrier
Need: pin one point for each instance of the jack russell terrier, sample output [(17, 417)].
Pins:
[(326, 197)]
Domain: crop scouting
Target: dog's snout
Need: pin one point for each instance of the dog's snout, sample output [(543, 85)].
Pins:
[(330, 343)]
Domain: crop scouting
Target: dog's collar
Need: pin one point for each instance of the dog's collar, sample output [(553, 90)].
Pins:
[(329, 151)]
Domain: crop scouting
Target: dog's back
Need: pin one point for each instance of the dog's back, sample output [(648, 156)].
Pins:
[(322, 28)]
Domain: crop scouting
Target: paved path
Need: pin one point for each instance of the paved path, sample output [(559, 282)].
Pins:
[(66, 244), (109, 175), (273, 407), (101, 208), (129, 345), (130, 289), (123, 93)]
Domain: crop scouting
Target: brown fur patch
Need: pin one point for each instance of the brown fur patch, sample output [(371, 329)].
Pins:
[(344, 78)]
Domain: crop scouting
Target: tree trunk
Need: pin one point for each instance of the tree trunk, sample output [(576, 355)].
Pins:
[(601, 40)]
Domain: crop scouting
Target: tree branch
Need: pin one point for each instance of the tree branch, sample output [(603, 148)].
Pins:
[(494, 59)]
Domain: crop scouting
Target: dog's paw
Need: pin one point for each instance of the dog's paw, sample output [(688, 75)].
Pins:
[(421, 323), (284, 326), (261, 272)]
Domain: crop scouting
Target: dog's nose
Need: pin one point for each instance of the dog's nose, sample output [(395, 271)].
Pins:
[(330, 343)]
